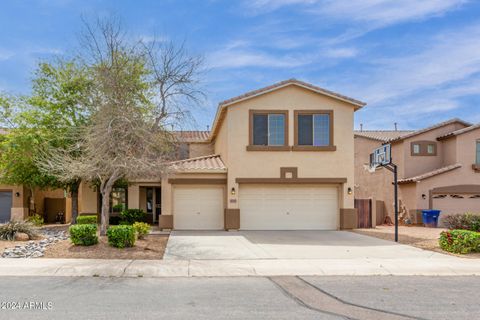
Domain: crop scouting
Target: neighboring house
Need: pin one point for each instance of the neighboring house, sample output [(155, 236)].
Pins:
[(277, 158), (15, 203), (438, 168)]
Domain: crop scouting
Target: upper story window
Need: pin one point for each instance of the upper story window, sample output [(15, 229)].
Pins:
[(268, 130), (314, 130), (423, 148)]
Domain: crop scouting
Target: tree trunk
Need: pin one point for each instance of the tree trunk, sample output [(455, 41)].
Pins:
[(105, 190), (74, 192), (105, 214), (31, 205)]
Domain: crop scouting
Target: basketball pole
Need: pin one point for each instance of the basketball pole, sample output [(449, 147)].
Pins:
[(393, 168)]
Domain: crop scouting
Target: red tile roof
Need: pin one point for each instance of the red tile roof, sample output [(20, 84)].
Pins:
[(458, 132), (210, 163), (430, 174), (192, 136), (382, 135), (438, 125)]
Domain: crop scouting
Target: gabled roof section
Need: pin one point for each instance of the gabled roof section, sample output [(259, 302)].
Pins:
[(192, 136), (357, 104), (436, 126), (289, 82), (211, 163), (382, 135), (430, 174), (459, 132)]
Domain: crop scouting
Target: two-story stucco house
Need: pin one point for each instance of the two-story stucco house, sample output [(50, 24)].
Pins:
[(277, 158), (438, 168)]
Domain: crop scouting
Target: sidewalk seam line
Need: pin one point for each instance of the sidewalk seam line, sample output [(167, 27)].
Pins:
[(356, 305), (303, 304)]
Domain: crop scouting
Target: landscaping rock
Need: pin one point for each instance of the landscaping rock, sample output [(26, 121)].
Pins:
[(20, 236), (35, 249)]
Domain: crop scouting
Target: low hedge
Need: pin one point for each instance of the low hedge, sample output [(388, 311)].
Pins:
[(90, 219), (460, 241), (142, 229), (121, 236), (83, 234), (465, 221), (130, 216)]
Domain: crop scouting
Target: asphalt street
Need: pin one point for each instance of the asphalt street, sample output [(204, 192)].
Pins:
[(380, 297)]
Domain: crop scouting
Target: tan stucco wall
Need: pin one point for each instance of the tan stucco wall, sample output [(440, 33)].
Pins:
[(87, 199), (464, 146), (376, 185), (415, 165), (200, 149), (221, 141), (255, 164)]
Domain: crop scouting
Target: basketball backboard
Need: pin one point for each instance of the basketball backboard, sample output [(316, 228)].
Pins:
[(381, 156)]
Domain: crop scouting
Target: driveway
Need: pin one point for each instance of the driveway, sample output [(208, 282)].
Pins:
[(253, 245)]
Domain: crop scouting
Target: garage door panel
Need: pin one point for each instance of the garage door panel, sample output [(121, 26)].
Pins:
[(5, 206), (280, 207), (198, 207)]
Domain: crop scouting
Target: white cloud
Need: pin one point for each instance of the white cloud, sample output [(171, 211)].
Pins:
[(240, 54), (385, 12), (5, 54), (452, 58), (340, 52)]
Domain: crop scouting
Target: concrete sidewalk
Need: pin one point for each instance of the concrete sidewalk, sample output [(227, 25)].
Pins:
[(435, 266)]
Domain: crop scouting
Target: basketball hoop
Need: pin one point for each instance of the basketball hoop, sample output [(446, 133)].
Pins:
[(371, 168)]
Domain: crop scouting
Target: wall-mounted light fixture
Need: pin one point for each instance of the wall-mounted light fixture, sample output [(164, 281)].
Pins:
[(424, 196), (232, 192), (17, 194), (349, 190)]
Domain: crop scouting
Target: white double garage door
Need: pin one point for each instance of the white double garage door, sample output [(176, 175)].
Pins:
[(262, 207)]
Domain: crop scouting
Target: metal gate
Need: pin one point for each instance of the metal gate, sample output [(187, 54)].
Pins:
[(364, 211)]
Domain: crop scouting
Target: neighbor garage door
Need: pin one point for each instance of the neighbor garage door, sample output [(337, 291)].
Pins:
[(198, 207), (292, 207), (453, 204), (5, 205)]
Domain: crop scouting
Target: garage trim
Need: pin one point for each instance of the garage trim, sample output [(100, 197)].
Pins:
[(196, 181), (462, 188), (291, 180)]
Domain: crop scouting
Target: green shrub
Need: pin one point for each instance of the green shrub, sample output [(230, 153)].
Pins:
[(83, 234), (130, 216), (141, 228), (460, 241), (8, 230), (121, 236), (466, 221), (36, 220), (90, 219)]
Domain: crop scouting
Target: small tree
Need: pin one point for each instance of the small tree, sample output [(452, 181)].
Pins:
[(135, 96), (45, 119)]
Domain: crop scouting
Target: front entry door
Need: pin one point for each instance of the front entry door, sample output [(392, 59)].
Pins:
[(154, 202)]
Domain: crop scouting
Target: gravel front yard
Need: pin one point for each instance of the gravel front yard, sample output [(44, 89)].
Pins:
[(420, 237), (152, 247)]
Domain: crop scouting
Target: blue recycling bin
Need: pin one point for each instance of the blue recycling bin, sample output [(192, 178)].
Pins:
[(430, 218)]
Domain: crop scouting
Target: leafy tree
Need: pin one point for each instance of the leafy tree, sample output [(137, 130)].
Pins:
[(137, 93), (48, 118)]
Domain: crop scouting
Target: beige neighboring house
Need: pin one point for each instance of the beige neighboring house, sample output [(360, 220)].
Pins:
[(438, 168), (277, 158)]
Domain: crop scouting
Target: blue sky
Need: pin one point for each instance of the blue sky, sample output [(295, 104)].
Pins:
[(413, 62)]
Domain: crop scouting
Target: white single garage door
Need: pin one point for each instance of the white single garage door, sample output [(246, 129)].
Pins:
[(198, 207), (288, 207)]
